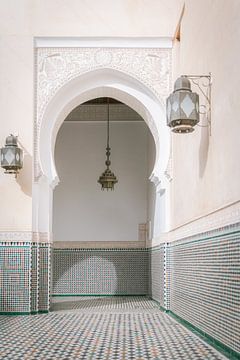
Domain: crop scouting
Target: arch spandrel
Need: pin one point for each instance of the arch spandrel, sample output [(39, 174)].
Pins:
[(65, 79), (57, 67), (101, 83)]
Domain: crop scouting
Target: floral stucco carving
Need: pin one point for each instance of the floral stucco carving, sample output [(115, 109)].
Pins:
[(55, 67)]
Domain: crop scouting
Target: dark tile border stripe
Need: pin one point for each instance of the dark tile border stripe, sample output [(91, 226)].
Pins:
[(218, 345), (225, 350), (98, 295)]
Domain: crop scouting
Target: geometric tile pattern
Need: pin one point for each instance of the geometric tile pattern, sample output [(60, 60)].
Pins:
[(157, 278), (100, 271), (44, 277), (92, 304), (145, 333), (197, 278), (205, 284), (14, 277), (167, 277), (34, 278), (24, 277)]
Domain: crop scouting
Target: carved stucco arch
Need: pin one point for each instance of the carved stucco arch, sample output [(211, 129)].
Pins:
[(65, 80), (102, 83)]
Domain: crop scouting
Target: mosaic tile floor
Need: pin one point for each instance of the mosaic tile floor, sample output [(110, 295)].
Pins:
[(120, 328)]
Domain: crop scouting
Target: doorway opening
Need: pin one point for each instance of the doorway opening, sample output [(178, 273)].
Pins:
[(99, 237)]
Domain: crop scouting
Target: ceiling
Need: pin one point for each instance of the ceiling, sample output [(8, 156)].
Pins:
[(96, 110)]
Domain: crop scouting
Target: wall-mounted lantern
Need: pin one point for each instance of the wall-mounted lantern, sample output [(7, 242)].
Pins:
[(183, 109), (11, 156)]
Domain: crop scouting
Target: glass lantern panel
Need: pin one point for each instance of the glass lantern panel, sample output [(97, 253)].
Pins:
[(187, 105), (9, 156), (175, 105)]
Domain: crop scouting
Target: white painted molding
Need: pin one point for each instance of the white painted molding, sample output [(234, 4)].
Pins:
[(15, 236), (99, 244), (58, 67), (71, 71), (42, 237), (24, 236), (107, 42), (226, 216), (156, 181)]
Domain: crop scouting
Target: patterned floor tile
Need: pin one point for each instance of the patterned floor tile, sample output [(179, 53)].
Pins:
[(116, 328)]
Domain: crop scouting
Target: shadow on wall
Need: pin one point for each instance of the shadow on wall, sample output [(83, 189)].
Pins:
[(203, 150), (24, 178), (100, 272)]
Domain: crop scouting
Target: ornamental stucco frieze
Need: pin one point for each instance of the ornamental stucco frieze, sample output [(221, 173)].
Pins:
[(15, 236), (55, 67), (24, 237)]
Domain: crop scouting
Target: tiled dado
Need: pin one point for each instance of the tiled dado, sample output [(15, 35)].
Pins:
[(100, 271), (157, 274), (205, 283), (24, 277)]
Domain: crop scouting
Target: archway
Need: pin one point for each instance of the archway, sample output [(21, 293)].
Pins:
[(97, 83)]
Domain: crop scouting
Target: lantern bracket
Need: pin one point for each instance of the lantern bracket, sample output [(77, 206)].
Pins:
[(204, 84)]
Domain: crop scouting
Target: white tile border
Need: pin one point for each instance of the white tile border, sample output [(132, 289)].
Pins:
[(228, 215), (99, 244)]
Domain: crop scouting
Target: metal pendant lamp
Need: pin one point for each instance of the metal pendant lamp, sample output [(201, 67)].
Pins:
[(107, 179)]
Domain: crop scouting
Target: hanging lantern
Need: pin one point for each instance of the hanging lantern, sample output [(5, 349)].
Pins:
[(182, 107), (11, 156), (108, 179)]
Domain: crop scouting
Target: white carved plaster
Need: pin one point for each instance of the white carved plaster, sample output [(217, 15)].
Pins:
[(15, 236), (156, 181), (55, 67), (169, 169), (24, 236), (99, 244), (138, 77)]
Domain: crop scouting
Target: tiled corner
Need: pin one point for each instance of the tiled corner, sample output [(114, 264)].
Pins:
[(205, 284), (24, 277), (14, 277)]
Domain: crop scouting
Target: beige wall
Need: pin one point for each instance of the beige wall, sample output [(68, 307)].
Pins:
[(20, 22), (16, 103), (206, 171), (81, 210)]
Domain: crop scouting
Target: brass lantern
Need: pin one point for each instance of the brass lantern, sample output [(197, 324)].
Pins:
[(108, 179), (11, 156), (182, 107)]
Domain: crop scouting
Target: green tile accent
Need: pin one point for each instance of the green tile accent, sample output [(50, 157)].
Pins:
[(98, 295), (199, 239), (14, 313), (230, 353), (158, 304)]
